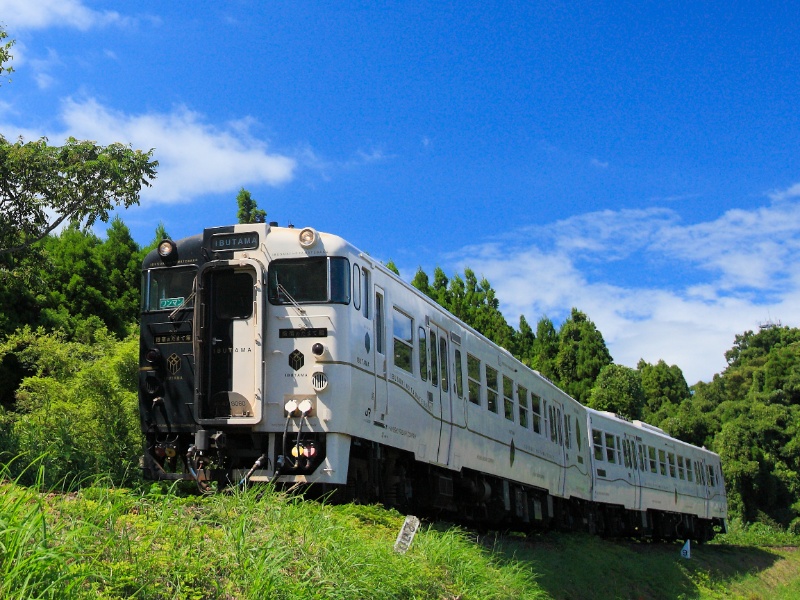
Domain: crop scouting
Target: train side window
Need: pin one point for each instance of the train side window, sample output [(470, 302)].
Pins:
[(508, 398), (681, 472), (522, 396), (712, 477), (651, 453), (366, 293), (474, 379), (443, 364), (671, 461), (423, 354), (536, 410), (491, 388), (356, 287), (597, 440), (459, 382), (379, 323), (689, 474), (568, 431), (611, 452), (434, 361), (662, 462), (403, 326)]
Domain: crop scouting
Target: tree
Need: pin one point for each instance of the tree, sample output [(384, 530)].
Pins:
[(421, 282), (393, 267), (663, 386), (248, 209), (618, 389), (43, 186), (545, 348), (5, 53), (582, 354)]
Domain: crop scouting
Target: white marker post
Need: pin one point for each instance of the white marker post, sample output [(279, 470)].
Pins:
[(686, 551), (406, 535)]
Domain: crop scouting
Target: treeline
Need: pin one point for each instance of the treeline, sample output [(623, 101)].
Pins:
[(69, 359)]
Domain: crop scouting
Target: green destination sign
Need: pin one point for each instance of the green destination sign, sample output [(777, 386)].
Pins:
[(170, 302)]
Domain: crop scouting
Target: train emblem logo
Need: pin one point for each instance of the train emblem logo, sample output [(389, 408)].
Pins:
[(174, 363)]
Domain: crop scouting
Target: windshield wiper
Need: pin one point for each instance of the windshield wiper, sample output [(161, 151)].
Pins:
[(285, 292)]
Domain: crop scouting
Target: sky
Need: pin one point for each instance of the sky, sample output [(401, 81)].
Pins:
[(635, 160)]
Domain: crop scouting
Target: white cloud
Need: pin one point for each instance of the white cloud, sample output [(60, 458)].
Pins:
[(195, 157), (40, 14), (740, 265)]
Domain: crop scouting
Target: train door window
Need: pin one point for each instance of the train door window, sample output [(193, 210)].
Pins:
[(626, 454), (611, 450), (422, 336), (640, 451), (459, 376), (522, 396), (366, 288), (689, 474), (560, 430), (356, 287), (434, 361), (237, 300), (474, 379), (578, 438), (662, 462), (597, 441), (403, 327), (379, 323), (681, 472), (712, 476), (671, 461), (536, 412), (568, 431), (443, 363), (508, 398), (554, 417), (651, 454), (491, 388)]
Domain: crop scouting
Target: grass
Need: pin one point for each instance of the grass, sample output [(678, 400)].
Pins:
[(159, 542)]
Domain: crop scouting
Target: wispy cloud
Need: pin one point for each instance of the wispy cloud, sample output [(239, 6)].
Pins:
[(741, 268), (40, 14)]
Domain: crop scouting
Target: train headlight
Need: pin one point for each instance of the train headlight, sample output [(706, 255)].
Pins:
[(152, 355), (166, 249), (307, 237)]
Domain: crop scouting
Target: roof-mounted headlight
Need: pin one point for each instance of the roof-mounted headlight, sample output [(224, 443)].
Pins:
[(307, 237), (166, 249)]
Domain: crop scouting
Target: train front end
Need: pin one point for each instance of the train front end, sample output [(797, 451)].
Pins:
[(239, 332)]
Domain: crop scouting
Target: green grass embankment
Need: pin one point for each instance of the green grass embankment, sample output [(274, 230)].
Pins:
[(102, 542)]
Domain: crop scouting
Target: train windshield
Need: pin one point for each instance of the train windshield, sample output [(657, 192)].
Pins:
[(167, 289), (310, 281)]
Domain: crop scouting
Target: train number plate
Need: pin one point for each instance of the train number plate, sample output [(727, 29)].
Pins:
[(308, 332)]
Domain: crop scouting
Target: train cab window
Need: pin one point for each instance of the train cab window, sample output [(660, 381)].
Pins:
[(459, 376), (611, 452), (662, 462), (597, 441), (403, 327), (443, 363), (491, 388), (689, 474), (474, 379), (681, 471), (318, 280), (167, 289), (536, 413), (522, 396), (379, 323), (356, 287), (508, 398), (651, 454), (423, 353), (671, 461)]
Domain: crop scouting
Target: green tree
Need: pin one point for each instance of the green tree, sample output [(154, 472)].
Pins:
[(248, 209), (582, 354), (393, 267), (663, 386), (43, 186), (421, 282), (618, 389), (5, 53), (545, 349)]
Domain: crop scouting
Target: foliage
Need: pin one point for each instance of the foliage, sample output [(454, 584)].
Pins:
[(43, 186), (5, 53), (618, 390), (248, 209), (582, 354), (78, 406)]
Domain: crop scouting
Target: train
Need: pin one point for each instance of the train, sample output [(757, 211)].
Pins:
[(286, 355)]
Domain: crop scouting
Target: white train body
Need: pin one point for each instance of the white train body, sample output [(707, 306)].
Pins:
[(302, 360)]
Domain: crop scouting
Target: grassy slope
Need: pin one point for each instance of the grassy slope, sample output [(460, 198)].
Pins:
[(105, 543)]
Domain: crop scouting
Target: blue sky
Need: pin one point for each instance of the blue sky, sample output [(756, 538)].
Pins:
[(636, 160)]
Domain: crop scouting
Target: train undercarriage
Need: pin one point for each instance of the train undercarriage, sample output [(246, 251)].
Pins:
[(388, 476)]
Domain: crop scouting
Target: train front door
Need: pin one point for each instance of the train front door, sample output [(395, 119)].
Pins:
[(441, 380), (381, 391), (231, 343)]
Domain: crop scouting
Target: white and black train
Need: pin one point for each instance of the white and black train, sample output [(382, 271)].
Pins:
[(279, 354)]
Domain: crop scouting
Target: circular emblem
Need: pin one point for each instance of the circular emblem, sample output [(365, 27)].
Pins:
[(174, 363)]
